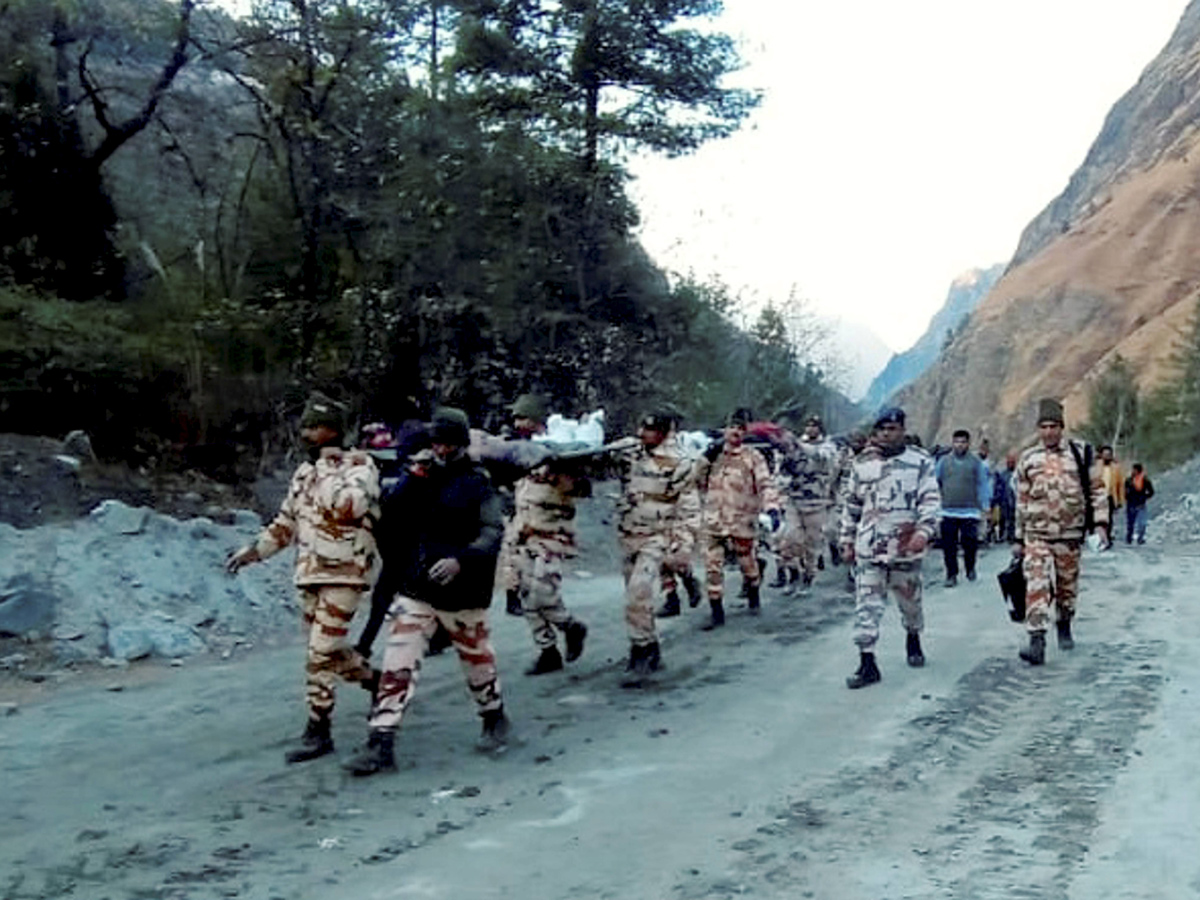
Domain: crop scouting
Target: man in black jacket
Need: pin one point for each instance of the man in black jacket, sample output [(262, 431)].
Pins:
[(439, 536)]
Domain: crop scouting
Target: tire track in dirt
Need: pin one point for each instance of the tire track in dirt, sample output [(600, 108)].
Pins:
[(995, 794)]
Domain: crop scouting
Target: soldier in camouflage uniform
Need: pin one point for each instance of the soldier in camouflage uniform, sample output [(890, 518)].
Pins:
[(811, 468), (329, 513), (529, 419), (658, 497), (890, 514), (1051, 523), (738, 487), (539, 537)]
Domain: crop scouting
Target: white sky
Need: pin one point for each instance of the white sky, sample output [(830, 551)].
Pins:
[(898, 144)]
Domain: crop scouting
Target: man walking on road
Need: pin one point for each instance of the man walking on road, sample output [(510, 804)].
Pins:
[(329, 513), (1114, 488), (1059, 491), (1138, 491), (440, 535), (738, 486), (658, 496), (966, 490), (810, 468), (889, 516)]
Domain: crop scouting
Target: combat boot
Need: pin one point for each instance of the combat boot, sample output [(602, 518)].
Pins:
[(377, 756), (644, 660), (512, 604), (718, 615), (315, 742), (670, 607), (575, 633), (1065, 641), (753, 601), (793, 578), (1035, 653), (550, 660), (494, 736), (821, 563), (868, 672), (806, 581), (781, 578), (692, 587), (916, 658)]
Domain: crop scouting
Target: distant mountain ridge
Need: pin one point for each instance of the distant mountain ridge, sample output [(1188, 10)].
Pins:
[(966, 292), (1111, 266)]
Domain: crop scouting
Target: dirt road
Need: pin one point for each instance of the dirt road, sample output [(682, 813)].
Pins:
[(749, 771)]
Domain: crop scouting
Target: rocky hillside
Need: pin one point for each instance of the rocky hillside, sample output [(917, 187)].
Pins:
[(966, 293), (1111, 266)]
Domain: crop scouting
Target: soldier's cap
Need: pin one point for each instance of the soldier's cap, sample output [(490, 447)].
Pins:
[(322, 410), (530, 406), (450, 426), (657, 421), (814, 419), (889, 415), (740, 416), (1050, 410)]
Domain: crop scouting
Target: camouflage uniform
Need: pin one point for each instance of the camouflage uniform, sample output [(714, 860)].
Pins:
[(738, 486), (329, 513), (810, 469), (1050, 520), (658, 500), (543, 535), (889, 499)]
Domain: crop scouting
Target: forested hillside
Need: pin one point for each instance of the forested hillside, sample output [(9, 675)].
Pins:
[(406, 203)]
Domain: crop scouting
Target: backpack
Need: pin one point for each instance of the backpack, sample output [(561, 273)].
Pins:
[(1083, 465)]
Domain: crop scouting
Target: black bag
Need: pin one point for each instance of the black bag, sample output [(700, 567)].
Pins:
[(1083, 464), (1012, 586)]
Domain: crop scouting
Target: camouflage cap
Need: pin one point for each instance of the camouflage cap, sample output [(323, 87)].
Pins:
[(657, 421), (891, 415), (322, 410), (450, 426), (740, 416), (1050, 410), (530, 406)]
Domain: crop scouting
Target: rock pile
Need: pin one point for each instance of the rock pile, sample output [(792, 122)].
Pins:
[(125, 583)]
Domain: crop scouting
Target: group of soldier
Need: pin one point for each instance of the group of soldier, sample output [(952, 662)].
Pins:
[(431, 543)]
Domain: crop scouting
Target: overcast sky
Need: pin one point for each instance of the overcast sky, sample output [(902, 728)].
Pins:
[(898, 144)]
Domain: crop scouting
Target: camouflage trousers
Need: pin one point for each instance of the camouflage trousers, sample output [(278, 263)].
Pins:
[(1051, 576), (539, 576), (714, 562), (804, 538), (507, 576), (411, 624), (678, 559), (642, 559), (873, 583), (327, 610)]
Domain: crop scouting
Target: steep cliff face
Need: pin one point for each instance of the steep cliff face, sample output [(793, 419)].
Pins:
[(1110, 266), (966, 293)]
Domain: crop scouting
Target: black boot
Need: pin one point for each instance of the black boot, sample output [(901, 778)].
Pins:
[(494, 736), (575, 633), (806, 581), (718, 615), (315, 742), (692, 587), (1065, 641), (1035, 653), (868, 672), (550, 660), (753, 601), (781, 578), (512, 604), (821, 563), (644, 660), (377, 756), (670, 607), (916, 658), (793, 577)]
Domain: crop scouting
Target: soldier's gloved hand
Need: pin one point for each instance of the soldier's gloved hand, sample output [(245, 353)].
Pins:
[(714, 449), (776, 519), (241, 558), (444, 570)]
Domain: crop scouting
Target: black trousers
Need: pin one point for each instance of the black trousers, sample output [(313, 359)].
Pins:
[(956, 533)]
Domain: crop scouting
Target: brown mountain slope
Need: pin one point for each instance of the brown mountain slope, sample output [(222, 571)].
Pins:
[(1111, 266)]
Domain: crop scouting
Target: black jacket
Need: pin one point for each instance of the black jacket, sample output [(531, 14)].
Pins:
[(1133, 496), (451, 512)]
